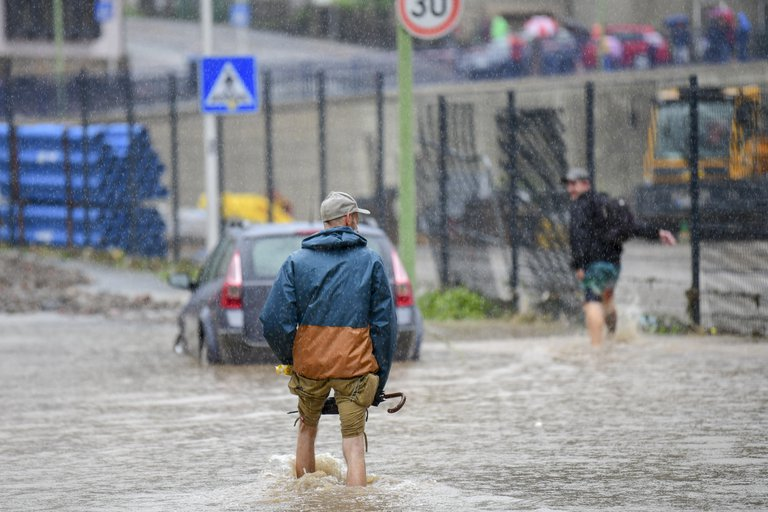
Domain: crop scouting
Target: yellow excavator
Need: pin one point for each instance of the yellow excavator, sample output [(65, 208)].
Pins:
[(733, 162)]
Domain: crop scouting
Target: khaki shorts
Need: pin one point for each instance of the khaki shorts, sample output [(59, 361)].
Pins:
[(353, 397)]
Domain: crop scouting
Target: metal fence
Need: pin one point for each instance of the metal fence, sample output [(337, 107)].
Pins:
[(497, 235), (51, 96), (496, 216), (458, 207), (88, 100), (513, 217)]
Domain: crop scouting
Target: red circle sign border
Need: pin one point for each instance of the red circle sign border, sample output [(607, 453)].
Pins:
[(432, 33)]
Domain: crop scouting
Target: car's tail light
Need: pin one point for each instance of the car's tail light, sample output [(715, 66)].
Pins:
[(403, 289), (232, 291)]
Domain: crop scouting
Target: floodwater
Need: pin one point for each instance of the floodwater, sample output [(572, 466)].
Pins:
[(100, 414)]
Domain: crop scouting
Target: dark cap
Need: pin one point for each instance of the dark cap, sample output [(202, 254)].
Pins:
[(575, 174)]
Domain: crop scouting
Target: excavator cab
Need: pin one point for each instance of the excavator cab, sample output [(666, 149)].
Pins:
[(733, 160)]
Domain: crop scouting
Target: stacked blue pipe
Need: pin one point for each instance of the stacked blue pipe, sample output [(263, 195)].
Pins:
[(82, 188)]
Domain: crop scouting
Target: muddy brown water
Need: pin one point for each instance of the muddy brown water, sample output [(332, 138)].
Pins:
[(99, 414)]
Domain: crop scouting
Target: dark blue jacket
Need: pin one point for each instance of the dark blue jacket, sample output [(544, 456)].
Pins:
[(589, 236), (330, 312)]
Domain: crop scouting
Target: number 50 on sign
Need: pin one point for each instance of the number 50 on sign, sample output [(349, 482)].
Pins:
[(428, 19)]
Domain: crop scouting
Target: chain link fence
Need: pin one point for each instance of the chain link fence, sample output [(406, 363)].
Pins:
[(510, 219), (497, 234)]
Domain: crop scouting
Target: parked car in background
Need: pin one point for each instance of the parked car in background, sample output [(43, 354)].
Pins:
[(220, 323), (627, 46), (642, 45), (559, 53), (500, 58)]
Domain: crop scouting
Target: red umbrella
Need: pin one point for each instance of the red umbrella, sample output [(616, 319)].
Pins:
[(722, 13), (540, 26)]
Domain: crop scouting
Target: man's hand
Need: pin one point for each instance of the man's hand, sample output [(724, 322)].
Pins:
[(666, 237), (580, 274)]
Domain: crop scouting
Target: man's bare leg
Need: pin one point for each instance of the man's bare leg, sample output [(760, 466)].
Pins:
[(609, 309), (305, 450), (354, 454), (595, 320)]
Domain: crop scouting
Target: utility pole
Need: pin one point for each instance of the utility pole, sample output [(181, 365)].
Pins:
[(210, 144), (58, 37), (695, 29), (407, 221)]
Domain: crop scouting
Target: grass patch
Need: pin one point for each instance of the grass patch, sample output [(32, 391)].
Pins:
[(455, 304), (664, 325)]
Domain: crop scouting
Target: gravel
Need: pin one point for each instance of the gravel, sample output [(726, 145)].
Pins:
[(31, 282)]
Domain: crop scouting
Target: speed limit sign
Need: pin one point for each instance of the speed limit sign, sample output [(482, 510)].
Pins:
[(428, 19)]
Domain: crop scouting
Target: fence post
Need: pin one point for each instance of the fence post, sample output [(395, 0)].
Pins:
[(589, 93), (68, 193), (694, 294), (174, 122), (270, 172), (13, 160), (220, 151), (381, 210), (85, 148), (512, 176), (442, 119), (133, 195), (321, 132)]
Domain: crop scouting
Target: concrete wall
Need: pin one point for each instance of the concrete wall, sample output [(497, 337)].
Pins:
[(350, 140), (622, 107)]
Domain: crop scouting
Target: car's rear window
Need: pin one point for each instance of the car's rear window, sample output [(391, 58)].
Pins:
[(267, 254)]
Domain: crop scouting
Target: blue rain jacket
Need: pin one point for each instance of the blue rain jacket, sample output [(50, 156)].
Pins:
[(330, 312)]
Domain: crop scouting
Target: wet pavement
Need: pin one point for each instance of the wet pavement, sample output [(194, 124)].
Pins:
[(157, 45), (100, 414)]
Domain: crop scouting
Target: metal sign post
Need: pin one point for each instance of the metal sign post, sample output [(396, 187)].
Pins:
[(227, 86), (240, 19), (211, 158), (424, 19)]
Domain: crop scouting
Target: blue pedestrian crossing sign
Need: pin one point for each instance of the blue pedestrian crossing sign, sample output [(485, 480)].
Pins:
[(228, 85), (103, 11)]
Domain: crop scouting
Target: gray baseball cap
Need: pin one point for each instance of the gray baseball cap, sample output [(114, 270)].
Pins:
[(338, 204), (575, 174)]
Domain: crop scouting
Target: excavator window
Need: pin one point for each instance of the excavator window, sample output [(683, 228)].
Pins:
[(673, 129)]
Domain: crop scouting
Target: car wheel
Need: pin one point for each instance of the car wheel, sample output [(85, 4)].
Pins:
[(416, 354), (206, 355), (180, 345), (641, 62)]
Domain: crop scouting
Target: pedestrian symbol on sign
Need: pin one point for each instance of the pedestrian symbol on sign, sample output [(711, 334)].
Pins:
[(228, 85), (229, 90)]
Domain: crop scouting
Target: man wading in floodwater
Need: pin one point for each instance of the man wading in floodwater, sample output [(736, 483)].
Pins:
[(330, 314), (596, 247)]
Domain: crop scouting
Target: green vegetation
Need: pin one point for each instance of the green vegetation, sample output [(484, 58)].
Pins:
[(664, 325), (455, 304)]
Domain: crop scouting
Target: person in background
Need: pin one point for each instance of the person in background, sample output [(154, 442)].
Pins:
[(743, 30), (330, 314), (680, 37), (596, 254), (718, 46)]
